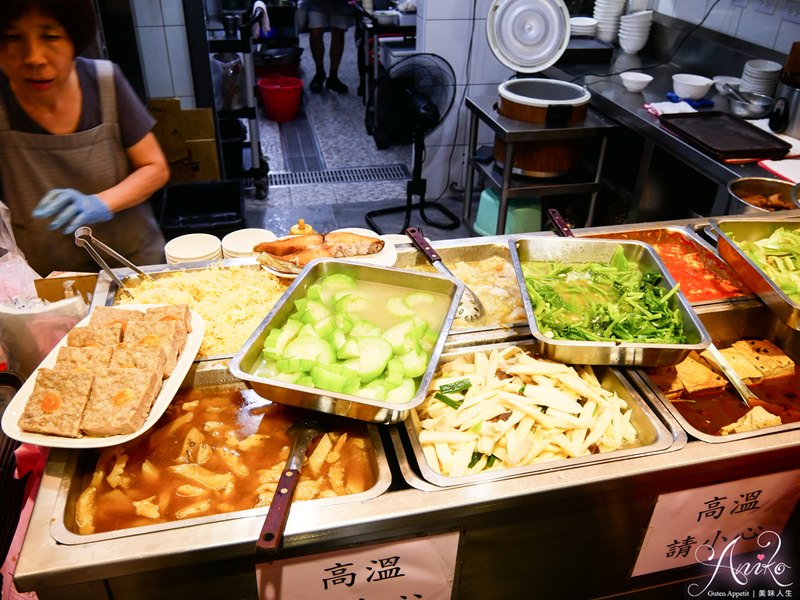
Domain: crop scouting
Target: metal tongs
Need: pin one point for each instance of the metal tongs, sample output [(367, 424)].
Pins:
[(84, 239)]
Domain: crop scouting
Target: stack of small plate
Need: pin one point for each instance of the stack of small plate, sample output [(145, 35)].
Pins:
[(240, 243), (607, 13), (193, 247), (760, 76), (582, 26), (634, 29)]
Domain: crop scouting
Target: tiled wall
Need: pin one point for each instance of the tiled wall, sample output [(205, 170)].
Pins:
[(773, 24), (163, 49)]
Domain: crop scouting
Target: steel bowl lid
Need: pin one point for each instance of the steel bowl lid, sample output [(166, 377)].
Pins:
[(528, 35)]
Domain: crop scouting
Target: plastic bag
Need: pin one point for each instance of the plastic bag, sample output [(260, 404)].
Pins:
[(29, 332), (16, 275)]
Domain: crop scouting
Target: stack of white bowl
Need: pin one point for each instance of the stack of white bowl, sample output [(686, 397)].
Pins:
[(607, 13), (634, 29), (193, 247), (582, 26), (240, 243), (760, 76)]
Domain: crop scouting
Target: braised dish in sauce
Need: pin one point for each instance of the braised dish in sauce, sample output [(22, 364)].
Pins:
[(703, 396), (217, 450), (702, 276)]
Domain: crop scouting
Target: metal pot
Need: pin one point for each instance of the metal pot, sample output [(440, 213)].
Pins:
[(785, 115), (547, 102), (743, 189)]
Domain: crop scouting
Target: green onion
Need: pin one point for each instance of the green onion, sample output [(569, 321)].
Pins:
[(456, 386), (447, 400), (476, 456), (490, 461)]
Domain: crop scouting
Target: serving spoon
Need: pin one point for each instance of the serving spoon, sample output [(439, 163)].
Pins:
[(470, 307), (301, 434)]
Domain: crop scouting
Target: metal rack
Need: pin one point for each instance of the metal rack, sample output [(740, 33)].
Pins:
[(513, 132)]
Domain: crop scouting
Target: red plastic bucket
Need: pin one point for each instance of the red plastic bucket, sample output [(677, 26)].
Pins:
[(280, 96)]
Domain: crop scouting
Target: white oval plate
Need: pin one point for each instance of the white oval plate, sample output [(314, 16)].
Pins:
[(168, 389), (385, 258)]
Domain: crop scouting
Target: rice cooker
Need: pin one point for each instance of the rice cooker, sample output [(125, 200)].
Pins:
[(785, 114), (529, 36)]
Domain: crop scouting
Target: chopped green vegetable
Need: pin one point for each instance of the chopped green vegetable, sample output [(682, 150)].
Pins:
[(600, 302), (456, 386), (447, 400), (779, 257)]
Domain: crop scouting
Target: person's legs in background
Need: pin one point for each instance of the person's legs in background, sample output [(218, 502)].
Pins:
[(316, 44), (337, 48)]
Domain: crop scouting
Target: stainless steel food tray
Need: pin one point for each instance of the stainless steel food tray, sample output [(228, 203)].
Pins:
[(81, 464), (764, 287), (242, 364), (471, 249), (106, 291), (727, 323), (582, 250), (658, 431), (711, 259)]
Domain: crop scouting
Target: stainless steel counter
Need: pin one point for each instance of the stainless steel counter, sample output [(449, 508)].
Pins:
[(570, 533)]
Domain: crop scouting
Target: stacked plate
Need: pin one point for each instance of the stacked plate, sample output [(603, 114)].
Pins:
[(240, 243), (193, 247), (582, 26), (634, 29), (760, 76), (607, 13)]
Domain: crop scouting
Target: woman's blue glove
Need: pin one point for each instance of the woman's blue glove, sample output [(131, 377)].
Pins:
[(75, 209)]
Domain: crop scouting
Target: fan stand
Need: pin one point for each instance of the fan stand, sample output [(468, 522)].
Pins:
[(416, 185)]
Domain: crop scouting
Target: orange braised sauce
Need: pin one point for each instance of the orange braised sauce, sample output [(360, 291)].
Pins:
[(708, 412), (242, 472)]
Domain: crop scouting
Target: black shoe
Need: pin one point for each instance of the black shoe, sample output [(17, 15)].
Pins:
[(316, 84), (337, 86)]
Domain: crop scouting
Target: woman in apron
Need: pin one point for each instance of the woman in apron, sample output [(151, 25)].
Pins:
[(76, 143)]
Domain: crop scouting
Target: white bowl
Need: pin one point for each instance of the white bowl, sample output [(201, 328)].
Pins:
[(193, 247), (721, 80), (690, 86), (634, 81)]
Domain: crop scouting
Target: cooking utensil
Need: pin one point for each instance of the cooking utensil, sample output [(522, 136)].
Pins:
[(84, 239), (470, 307), (562, 227), (301, 434), (727, 369)]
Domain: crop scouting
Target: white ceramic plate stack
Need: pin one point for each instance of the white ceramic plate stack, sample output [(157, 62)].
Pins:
[(240, 243), (760, 76), (582, 26), (607, 13), (193, 247), (634, 29)]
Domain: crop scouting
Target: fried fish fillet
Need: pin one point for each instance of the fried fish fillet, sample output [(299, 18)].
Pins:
[(339, 244), (290, 245)]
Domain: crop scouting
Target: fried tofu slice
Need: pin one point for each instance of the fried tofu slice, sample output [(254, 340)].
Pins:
[(742, 365), (106, 315), (85, 358), (667, 380), (57, 402), (756, 418), (108, 335), (157, 333), (696, 376), (767, 357), (119, 401)]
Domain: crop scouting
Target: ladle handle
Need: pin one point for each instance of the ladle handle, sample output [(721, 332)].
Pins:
[(421, 244), (269, 540), (559, 223)]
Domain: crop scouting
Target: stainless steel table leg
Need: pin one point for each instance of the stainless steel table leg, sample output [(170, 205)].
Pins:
[(597, 176), (472, 144), (502, 210)]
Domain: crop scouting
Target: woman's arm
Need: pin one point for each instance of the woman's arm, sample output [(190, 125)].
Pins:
[(150, 173)]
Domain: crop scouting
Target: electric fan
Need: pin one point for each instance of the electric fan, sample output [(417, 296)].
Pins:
[(411, 99)]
